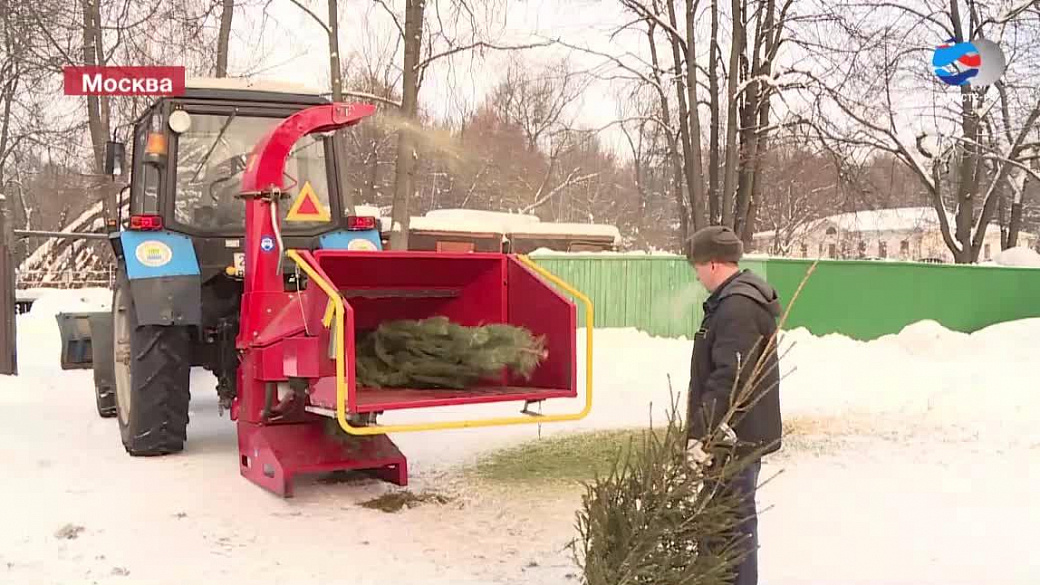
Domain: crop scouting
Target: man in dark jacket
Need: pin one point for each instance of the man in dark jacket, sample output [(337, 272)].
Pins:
[(732, 396)]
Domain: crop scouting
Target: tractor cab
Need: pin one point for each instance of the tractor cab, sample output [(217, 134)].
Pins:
[(189, 153)]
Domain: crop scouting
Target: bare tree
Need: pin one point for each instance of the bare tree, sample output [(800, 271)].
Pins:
[(799, 186), (968, 147), (431, 33), (737, 92), (537, 99)]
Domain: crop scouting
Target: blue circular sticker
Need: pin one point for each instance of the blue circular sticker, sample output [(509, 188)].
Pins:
[(267, 243)]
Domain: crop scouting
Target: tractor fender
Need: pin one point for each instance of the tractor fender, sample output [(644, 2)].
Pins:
[(164, 276), (351, 240)]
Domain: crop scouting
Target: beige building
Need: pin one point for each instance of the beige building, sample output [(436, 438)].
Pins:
[(907, 233)]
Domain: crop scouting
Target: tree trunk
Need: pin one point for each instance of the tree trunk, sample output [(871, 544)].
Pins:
[(10, 87), (95, 107), (689, 128), (224, 38), (714, 213), (673, 148), (968, 177), (336, 79), (755, 117), (747, 234), (695, 171), (967, 169), (335, 73), (404, 173), (1015, 223), (730, 176)]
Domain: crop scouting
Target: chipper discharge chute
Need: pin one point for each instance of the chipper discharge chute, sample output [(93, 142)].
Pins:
[(303, 312)]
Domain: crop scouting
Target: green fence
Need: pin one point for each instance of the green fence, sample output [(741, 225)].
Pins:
[(863, 300)]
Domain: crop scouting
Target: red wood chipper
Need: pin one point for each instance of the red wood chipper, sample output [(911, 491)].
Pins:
[(296, 341)]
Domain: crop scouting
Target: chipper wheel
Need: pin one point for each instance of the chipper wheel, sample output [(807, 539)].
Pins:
[(152, 369)]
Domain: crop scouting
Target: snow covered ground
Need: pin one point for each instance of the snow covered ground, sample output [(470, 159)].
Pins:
[(901, 454)]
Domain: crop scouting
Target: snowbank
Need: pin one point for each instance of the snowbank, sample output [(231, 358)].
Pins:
[(597, 230), (50, 302), (39, 341), (627, 253), (471, 220), (1018, 256), (926, 374)]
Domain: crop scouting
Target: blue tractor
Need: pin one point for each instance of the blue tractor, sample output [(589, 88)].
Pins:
[(180, 251)]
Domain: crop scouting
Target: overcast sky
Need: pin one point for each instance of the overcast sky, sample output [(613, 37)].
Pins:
[(295, 49)]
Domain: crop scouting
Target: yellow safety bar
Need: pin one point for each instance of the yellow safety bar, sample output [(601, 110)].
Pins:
[(341, 376)]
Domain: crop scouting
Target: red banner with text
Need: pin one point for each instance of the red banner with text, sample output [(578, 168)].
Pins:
[(161, 81)]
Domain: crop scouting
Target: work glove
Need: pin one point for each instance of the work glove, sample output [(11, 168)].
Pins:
[(696, 455), (729, 436)]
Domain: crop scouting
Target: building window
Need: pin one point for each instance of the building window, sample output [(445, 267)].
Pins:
[(831, 231), (882, 249), (986, 251), (904, 248), (805, 250), (831, 250), (862, 249)]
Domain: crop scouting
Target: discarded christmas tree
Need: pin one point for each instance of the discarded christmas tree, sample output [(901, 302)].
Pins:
[(654, 520), (436, 353), (659, 518)]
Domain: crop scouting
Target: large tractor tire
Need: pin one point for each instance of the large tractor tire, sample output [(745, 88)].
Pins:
[(152, 371)]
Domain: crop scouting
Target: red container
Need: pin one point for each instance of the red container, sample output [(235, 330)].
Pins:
[(469, 289)]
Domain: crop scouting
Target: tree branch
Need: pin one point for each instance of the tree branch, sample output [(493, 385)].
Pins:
[(990, 200), (371, 96), (478, 45), (397, 23), (328, 29), (570, 180)]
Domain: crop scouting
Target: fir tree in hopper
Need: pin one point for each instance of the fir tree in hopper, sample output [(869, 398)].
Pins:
[(437, 353)]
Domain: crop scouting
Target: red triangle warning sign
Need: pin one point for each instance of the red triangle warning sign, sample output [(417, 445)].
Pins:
[(307, 206)]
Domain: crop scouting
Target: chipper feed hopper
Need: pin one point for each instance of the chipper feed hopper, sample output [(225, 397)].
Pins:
[(217, 270), (297, 342)]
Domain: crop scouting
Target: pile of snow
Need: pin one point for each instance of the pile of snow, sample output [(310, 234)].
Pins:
[(30, 293), (596, 230), (472, 220), (479, 215), (50, 302), (39, 340), (926, 374), (1018, 256), (598, 253)]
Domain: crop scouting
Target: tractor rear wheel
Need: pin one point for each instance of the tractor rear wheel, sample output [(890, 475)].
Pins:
[(152, 371)]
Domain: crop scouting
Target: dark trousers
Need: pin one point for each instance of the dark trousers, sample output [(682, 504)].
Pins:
[(743, 485)]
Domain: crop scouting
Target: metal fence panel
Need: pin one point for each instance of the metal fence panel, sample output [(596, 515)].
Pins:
[(860, 299)]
